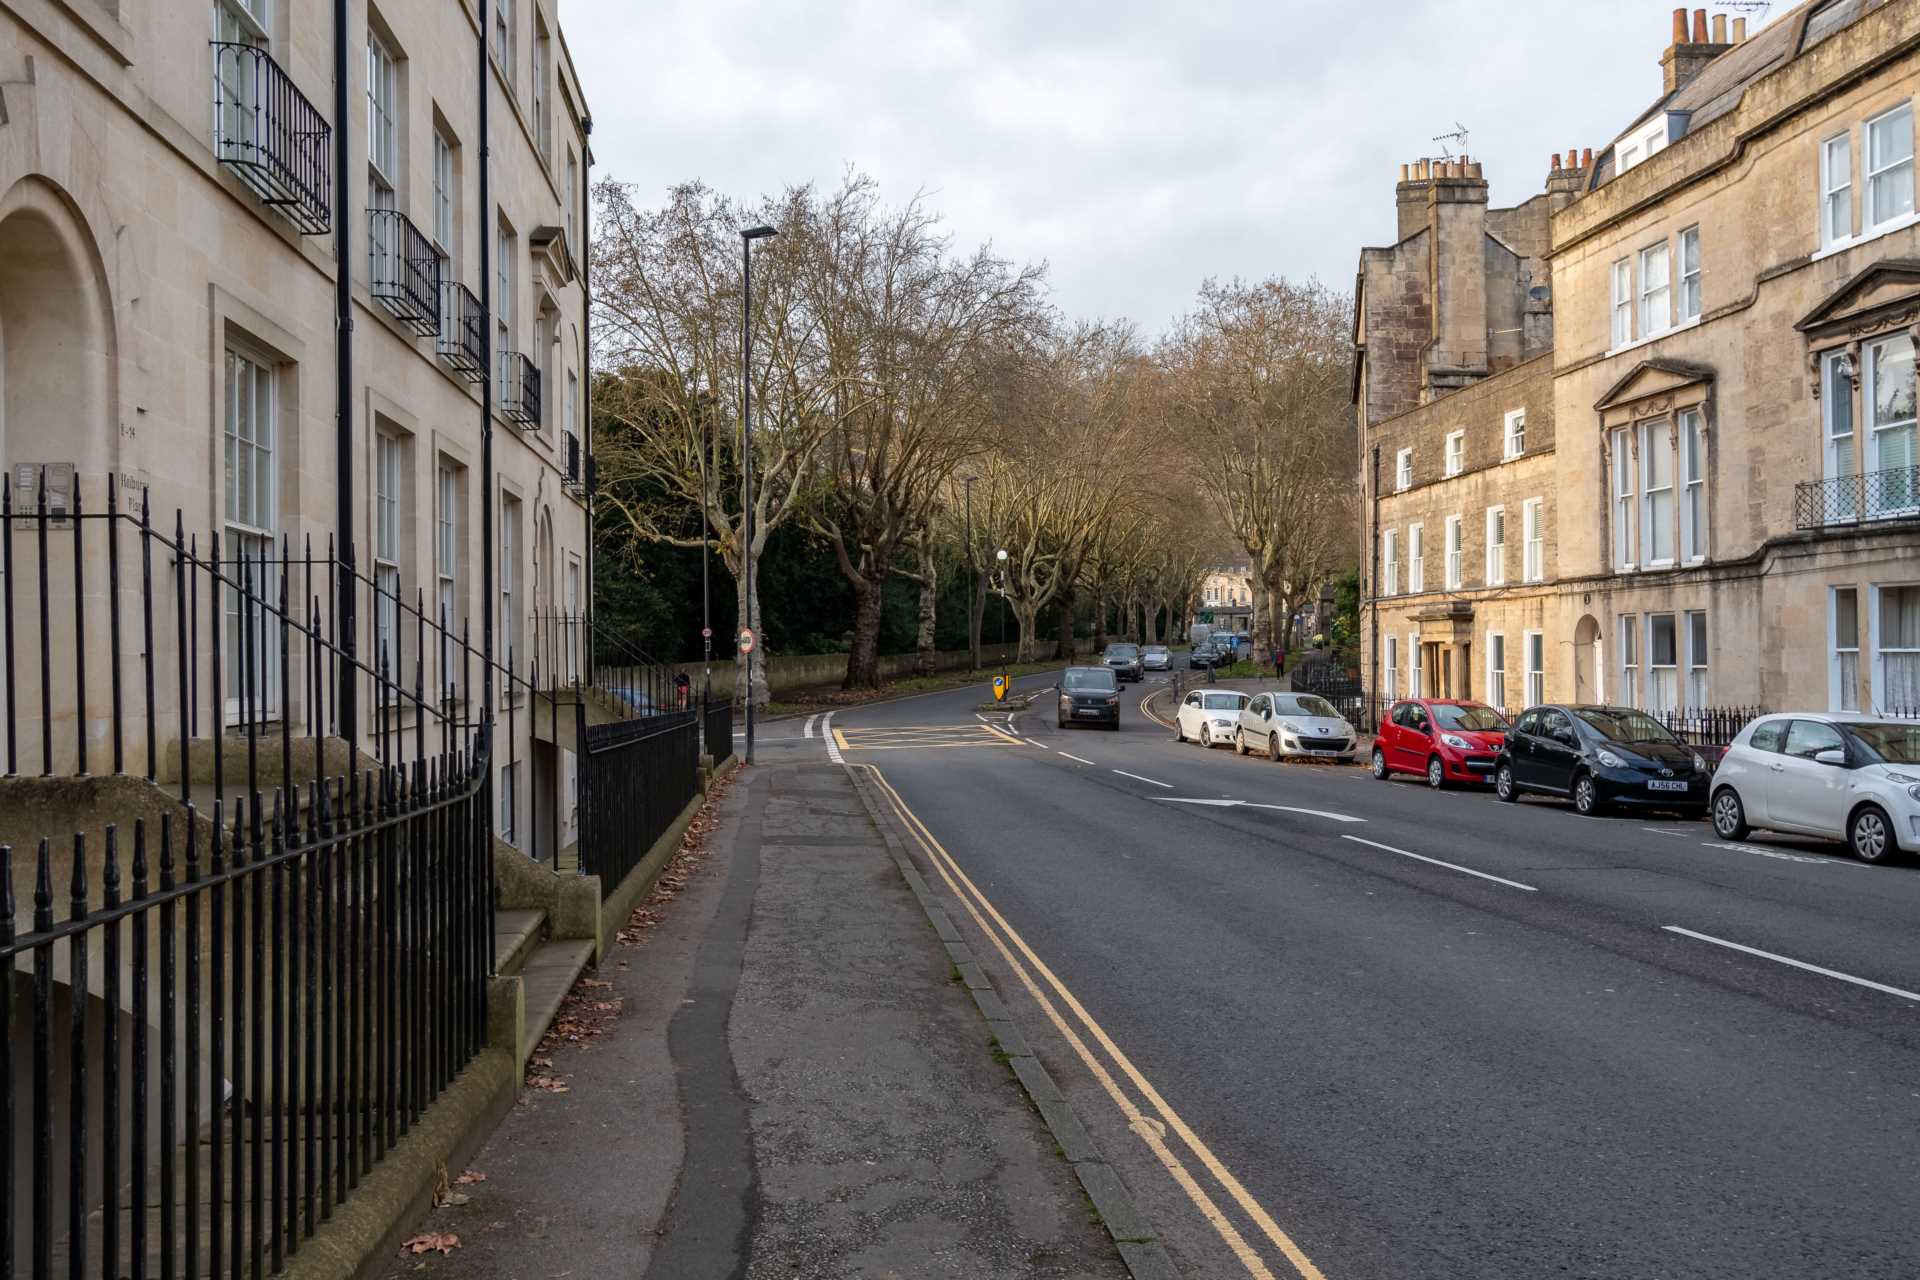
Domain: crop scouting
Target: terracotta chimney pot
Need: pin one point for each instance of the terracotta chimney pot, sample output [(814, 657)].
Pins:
[(1473, 170), (1679, 26), (1719, 28), (1699, 26), (1586, 158), (1554, 165), (1739, 30), (1403, 173)]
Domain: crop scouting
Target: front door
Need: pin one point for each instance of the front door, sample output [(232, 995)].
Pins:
[(1805, 794)]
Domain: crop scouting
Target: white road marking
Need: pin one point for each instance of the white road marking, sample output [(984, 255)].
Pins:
[(1137, 778), (807, 731), (1760, 851), (1421, 857), (1664, 831), (1798, 964), (833, 747), (1071, 756), (1249, 804), (1222, 804)]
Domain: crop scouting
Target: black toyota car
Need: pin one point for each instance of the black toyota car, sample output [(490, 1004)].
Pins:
[(1601, 756), (1089, 695), (1125, 662)]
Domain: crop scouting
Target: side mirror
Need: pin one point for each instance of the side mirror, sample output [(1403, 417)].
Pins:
[(1833, 756)]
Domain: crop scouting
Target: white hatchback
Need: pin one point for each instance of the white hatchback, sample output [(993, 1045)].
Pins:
[(1843, 777), (1209, 716), (1295, 724)]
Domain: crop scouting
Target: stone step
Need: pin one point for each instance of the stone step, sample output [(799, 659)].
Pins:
[(548, 974), (516, 933)]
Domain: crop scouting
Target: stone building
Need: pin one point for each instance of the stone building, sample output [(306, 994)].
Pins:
[(169, 255)]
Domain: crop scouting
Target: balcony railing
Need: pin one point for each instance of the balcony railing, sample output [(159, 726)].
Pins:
[(272, 138), (520, 389), (576, 481), (1890, 494), (463, 330), (406, 270)]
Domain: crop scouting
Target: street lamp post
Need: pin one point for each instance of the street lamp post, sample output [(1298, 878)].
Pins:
[(1000, 557), (747, 238), (973, 583)]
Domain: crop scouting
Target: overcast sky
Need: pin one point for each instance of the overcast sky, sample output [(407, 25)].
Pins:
[(1135, 147)]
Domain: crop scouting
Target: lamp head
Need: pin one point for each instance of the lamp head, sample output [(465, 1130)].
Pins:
[(758, 233), (1001, 555)]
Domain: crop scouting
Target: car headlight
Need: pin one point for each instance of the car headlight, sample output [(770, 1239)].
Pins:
[(1611, 760), (1223, 724), (1455, 741), (1293, 729), (1699, 763), (1904, 779), (1114, 701)]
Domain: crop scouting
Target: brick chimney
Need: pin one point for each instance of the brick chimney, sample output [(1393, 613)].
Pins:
[(1410, 197), (1566, 181), (1692, 48), (1457, 273)]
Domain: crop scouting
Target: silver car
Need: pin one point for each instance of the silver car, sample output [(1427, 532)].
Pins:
[(1294, 724), (1156, 657)]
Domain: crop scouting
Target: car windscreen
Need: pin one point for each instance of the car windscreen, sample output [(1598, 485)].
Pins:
[(1303, 704), (1471, 719), (1121, 651), (1090, 681), (1223, 701), (1889, 743), (1627, 726)]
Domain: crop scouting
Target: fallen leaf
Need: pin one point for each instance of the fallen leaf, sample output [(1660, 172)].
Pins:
[(470, 1177), (443, 1242)]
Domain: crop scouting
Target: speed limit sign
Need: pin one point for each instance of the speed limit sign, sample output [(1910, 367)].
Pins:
[(746, 639)]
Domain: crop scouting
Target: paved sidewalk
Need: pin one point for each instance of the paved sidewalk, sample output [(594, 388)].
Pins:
[(793, 1085)]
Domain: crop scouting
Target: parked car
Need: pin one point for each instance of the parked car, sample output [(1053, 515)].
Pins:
[(1294, 724), (1124, 661), (1089, 695), (1841, 777), (1441, 739), (1209, 716), (1601, 756), (1156, 657), (1201, 656), (1230, 647)]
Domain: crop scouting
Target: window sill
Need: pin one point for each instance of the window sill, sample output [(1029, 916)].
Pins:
[(1867, 237), (1651, 338)]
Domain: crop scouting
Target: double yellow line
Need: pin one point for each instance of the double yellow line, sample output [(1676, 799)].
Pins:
[(1152, 1129)]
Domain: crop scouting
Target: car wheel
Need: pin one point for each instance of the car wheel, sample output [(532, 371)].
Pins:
[(1730, 816), (1273, 747), (1436, 773), (1870, 835), (1380, 765), (1586, 796), (1503, 785), (1206, 737), (1179, 730)]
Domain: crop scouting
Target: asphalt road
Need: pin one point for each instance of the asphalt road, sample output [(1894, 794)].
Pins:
[(1360, 1029)]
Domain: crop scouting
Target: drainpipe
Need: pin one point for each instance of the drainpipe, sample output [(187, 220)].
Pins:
[(343, 381), (486, 401), (1373, 574), (586, 366)]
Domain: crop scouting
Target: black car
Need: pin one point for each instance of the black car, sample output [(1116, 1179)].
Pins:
[(1089, 695), (1125, 662), (1201, 656), (1601, 756)]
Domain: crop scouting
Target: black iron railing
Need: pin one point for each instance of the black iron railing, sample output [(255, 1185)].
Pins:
[(273, 139), (716, 732), (520, 389), (405, 270), (463, 330), (575, 481), (636, 778), (1889, 494)]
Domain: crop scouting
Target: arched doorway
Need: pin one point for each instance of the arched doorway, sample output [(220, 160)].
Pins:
[(1588, 684)]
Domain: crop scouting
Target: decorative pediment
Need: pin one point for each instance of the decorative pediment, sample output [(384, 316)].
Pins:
[(1659, 381), (552, 255), (1883, 296)]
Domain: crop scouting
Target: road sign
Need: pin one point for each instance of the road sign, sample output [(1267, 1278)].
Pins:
[(746, 639), (999, 688), (706, 633)]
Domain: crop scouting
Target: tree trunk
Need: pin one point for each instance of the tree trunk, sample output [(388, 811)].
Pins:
[(1063, 629), (978, 617), (1099, 623), (750, 612), (924, 660), (863, 660)]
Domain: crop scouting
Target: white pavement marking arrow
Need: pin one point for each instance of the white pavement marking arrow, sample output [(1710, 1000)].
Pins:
[(807, 732)]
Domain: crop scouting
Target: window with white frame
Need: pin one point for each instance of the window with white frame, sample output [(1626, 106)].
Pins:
[(1656, 301), (1897, 646), (1390, 563), (1889, 167), (1693, 486), (503, 36), (510, 576), (1888, 394), (1842, 458), (1690, 274), (1697, 659), (1629, 660), (1843, 670), (1836, 189), (1663, 662), (236, 120), (1403, 470), (383, 240), (1496, 546), (386, 552), (1622, 303), (1496, 669), (1456, 551), (1416, 559), (573, 201), (1536, 668), (1391, 668), (503, 303), (573, 404), (252, 508), (1534, 516), (1456, 452), (1414, 685), (1514, 440), (1622, 452), (446, 544), (1656, 495), (509, 784), (542, 126)]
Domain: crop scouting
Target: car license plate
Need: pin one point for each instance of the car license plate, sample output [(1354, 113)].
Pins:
[(1676, 785), (1086, 711)]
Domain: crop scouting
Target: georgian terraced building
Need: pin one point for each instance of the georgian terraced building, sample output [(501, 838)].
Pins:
[(1732, 497), (173, 192)]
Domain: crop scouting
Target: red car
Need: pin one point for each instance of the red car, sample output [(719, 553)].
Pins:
[(1440, 739)]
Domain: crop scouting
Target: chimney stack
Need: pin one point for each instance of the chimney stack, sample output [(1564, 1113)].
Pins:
[(1691, 49)]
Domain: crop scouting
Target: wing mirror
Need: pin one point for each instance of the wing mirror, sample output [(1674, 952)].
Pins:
[(1833, 756)]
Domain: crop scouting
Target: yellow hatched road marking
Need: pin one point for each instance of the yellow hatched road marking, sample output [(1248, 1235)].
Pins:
[(1150, 1131), (923, 737)]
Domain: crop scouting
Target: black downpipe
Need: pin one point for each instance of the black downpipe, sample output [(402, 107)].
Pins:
[(587, 476), (1373, 578), (348, 725)]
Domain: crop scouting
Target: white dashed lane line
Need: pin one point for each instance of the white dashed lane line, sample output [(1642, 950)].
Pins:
[(833, 744), (1081, 759), (1249, 804), (807, 730), (1137, 778), (1451, 866), (1798, 964)]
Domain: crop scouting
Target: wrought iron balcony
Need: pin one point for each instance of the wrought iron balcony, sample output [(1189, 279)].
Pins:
[(406, 270), (575, 482), (1872, 496), (463, 330), (520, 389), (272, 138)]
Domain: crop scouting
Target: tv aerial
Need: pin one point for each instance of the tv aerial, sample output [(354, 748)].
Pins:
[(1458, 138)]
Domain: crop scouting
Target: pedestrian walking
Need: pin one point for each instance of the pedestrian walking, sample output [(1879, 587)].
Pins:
[(682, 690), (1279, 661)]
